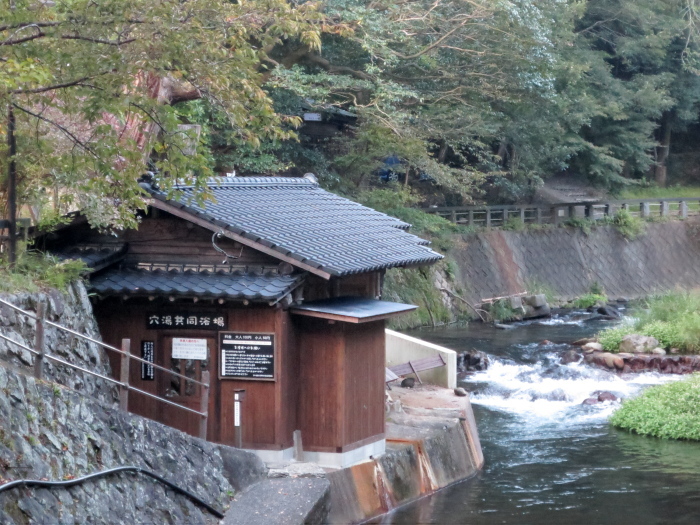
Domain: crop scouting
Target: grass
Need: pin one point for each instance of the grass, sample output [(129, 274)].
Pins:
[(670, 411), (589, 299), (673, 318), (654, 192), (34, 271)]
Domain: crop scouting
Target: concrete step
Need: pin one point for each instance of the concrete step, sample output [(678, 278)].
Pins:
[(282, 501)]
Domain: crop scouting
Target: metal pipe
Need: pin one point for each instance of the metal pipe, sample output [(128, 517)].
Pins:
[(138, 470)]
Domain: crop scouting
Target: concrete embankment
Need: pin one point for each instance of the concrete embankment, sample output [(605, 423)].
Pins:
[(567, 261), (432, 442)]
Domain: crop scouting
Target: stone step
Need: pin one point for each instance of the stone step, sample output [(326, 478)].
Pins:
[(282, 501)]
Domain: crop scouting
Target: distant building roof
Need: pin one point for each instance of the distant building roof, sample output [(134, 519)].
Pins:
[(297, 219), (235, 285)]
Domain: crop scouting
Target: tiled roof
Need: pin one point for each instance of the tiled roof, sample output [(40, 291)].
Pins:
[(224, 285), (94, 257), (298, 219)]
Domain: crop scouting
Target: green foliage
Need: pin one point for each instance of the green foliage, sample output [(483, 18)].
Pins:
[(672, 318), (35, 270), (397, 201), (612, 337), (415, 286), (596, 288), (584, 223), (670, 411), (95, 86), (629, 226), (654, 192), (588, 300), (501, 310), (514, 224)]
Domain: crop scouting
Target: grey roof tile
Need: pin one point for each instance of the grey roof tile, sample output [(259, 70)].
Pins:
[(297, 218), (225, 285)]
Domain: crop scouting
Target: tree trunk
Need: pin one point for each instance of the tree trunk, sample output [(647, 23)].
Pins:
[(660, 170), (12, 186)]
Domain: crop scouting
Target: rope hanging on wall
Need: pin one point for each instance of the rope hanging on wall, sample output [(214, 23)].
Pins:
[(221, 250)]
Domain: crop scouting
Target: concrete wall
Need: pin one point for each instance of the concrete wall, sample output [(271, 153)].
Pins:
[(402, 348), (424, 454), (568, 261)]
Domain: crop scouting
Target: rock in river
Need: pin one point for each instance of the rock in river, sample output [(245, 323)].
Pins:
[(638, 344)]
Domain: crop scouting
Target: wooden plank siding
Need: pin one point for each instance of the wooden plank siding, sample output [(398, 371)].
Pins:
[(342, 374), (269, 415)]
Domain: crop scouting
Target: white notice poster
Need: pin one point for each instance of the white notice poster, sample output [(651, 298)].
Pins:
[(186, 348)]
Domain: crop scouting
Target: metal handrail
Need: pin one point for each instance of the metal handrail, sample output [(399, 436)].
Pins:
[(76, 481), (104, 345), (121, 384), (106, 378)]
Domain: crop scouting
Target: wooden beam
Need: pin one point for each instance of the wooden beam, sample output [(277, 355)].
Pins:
[(183, 214)]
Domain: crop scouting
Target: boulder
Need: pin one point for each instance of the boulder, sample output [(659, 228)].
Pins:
[(516, 302), (613, 361), (658, 351), (638, 344), (459, 391), (408, 382), (571, 356), (596, 347), (590, 401), (536, 301), (606, 396), (585, 340), (532, 312), (609, 311)]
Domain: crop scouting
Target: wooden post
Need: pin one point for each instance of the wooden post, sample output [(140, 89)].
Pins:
[(39, 345), (488, 217), (471, 217), (453, 216), (238, 397), (204, 406), (124, 375), (683, 210), (664, 209), (522, 215)]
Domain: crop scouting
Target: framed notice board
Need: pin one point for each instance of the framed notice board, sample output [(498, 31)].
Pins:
[(247, 355)]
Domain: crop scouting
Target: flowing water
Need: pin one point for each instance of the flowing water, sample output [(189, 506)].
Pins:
[(550, 459)]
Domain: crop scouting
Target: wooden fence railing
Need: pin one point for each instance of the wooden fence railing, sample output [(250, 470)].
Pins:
[(496, 216), (126, 357)]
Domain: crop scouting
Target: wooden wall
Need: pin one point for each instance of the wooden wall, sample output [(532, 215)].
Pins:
[(341, 404), (269, 415)]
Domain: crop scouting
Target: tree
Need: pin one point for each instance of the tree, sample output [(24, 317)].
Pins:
[(92, 88)]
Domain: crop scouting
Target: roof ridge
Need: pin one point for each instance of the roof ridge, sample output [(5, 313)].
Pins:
[(229, 182)]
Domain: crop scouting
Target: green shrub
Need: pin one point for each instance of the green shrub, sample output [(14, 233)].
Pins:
[(35, 270), (588, 300), (514, 224), (670, 411), (612, 337), (629, 226), (502, 311), (673, 318)]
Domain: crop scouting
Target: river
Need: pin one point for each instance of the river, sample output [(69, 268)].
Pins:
[(550, 459)]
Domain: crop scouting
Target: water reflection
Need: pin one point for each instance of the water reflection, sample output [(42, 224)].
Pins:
[(549, 458)]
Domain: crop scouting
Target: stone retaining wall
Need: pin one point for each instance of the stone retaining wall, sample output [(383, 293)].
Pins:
[(73, 427), (568, 261)]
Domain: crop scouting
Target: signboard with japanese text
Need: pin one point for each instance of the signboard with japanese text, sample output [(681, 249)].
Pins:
[(189, 348), (148, 354), (247, 356), (186, 321)]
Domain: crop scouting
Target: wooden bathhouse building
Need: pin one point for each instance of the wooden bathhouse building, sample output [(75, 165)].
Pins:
[(274, 289)]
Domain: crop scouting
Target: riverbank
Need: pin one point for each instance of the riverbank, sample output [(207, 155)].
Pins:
[(561, 263)]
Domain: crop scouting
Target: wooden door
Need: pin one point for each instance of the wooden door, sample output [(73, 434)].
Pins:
[(184, 392)]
